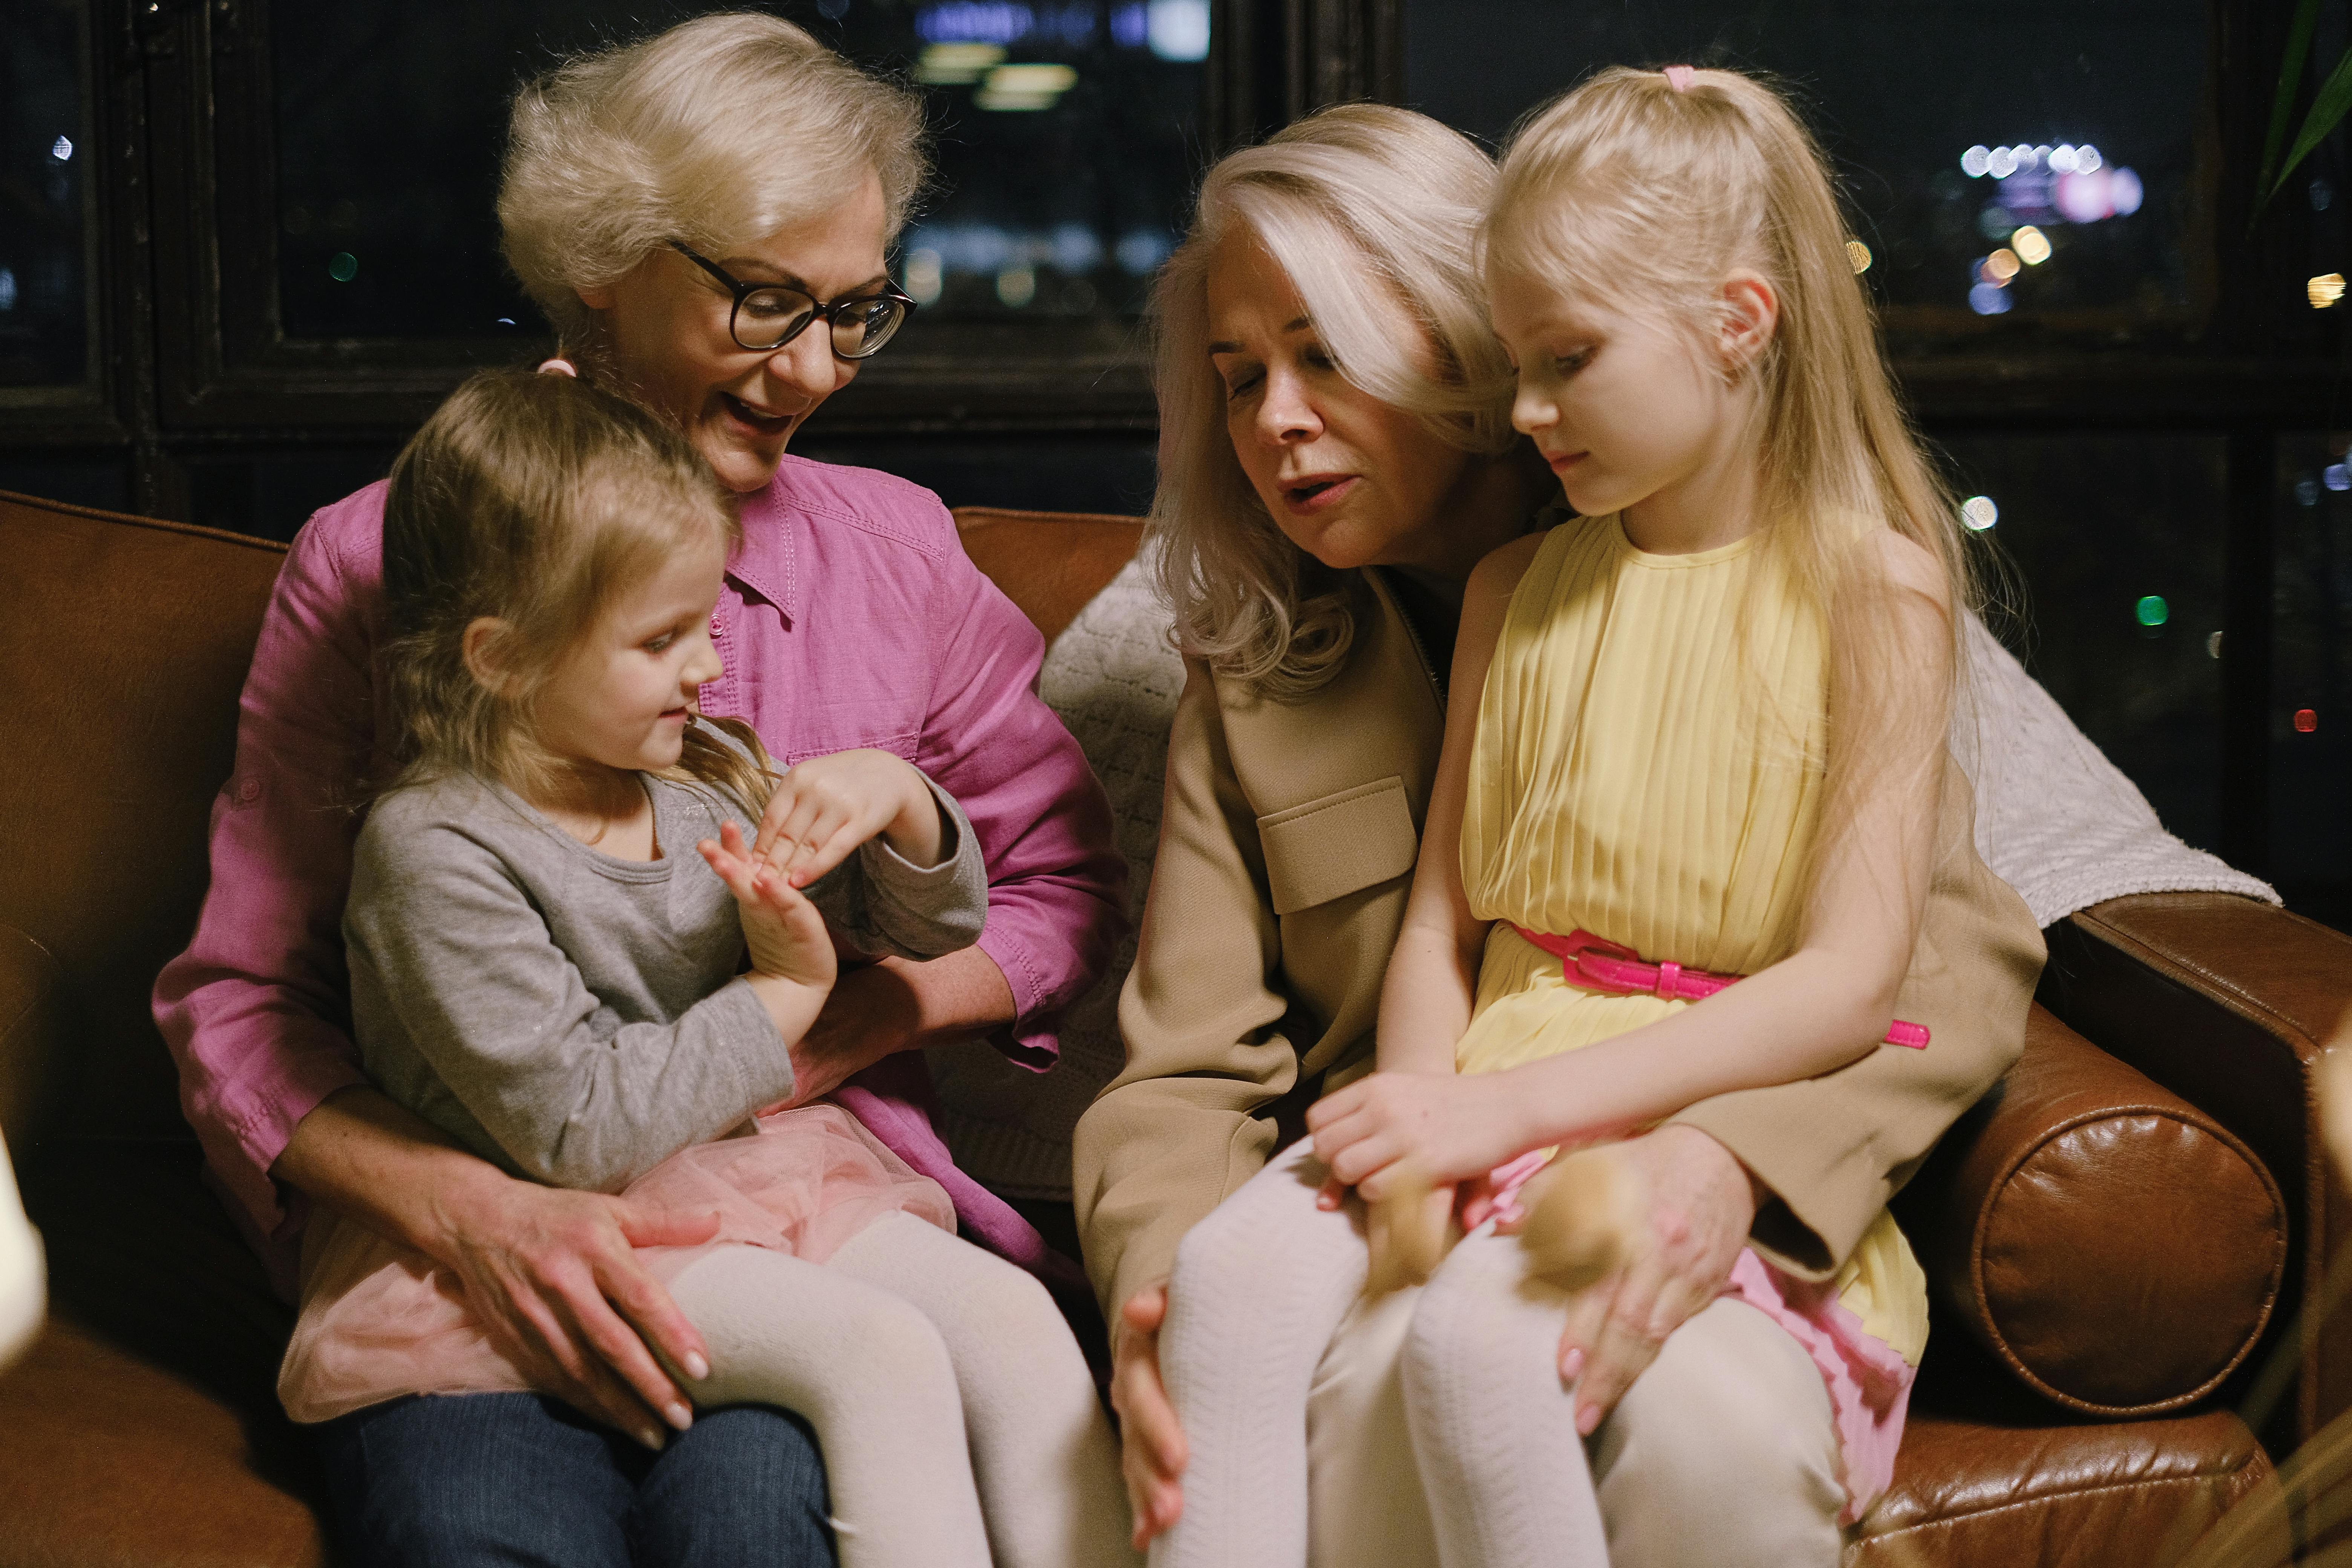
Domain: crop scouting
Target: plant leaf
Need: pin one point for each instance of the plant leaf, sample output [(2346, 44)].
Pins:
[(2298, 45), (2328, 110)]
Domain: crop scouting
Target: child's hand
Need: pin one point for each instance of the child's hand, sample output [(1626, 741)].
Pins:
[(827, 806), (787, 937), (1447, 1127)]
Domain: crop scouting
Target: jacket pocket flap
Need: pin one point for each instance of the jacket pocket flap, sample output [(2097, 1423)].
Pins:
[(1331, 846)]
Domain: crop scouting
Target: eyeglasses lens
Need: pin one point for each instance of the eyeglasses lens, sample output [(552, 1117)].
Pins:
[(866, 325), (767, 317)]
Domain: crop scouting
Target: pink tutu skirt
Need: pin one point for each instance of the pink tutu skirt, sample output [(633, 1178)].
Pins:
[(380, 1320)]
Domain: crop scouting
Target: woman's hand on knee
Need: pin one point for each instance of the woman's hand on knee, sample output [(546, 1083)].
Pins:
[(1701, 1205), (1150, 1439), (555, 1278)]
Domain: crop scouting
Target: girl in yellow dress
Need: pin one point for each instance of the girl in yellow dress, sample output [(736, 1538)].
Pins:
[(1700, 739)]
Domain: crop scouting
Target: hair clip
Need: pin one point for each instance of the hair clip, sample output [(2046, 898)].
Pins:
[(559, 365), (1680, 77)]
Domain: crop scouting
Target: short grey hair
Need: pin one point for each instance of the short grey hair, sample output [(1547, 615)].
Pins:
[(716, 132), (1368, 208)]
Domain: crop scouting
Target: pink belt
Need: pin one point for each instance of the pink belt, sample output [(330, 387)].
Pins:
[(1619, 970)]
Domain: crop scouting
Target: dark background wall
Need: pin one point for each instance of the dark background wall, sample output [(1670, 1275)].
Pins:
[(245, 246)]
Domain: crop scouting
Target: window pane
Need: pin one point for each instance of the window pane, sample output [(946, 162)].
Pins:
[(1954, 125), (2311, 676), (2112, 547), (1064, 136), (44, 193)]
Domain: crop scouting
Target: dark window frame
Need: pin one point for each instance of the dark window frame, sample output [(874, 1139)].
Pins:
[(187, 367)]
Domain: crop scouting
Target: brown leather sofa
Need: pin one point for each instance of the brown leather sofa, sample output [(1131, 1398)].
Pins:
[(2130, 1239)]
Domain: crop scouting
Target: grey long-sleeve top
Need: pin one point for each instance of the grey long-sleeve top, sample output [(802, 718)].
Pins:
[(573, 1018)]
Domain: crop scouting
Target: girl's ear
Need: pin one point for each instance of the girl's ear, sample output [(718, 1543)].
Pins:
[(596, 299), (1751, 313), (482, 646)]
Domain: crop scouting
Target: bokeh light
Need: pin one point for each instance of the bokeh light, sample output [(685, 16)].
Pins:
[(342, 267), (2032, 245), (2325, 289), (1978, 513), (2307, 720), (2000, 267), (2337, 477), (1858, 254), (1976, 161), (2152, 611), (1989, 300)]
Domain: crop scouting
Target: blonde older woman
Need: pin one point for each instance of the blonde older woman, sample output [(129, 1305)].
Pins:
[(1335, 458), (705, 217)]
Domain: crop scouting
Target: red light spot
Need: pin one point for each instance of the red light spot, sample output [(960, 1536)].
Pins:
[(2307, 719)]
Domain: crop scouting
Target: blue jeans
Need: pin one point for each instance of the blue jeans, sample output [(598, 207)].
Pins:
[(522, 1478)]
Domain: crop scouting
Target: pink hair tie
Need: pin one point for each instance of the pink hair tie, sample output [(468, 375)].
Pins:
[(1680, 77), (559, 365)]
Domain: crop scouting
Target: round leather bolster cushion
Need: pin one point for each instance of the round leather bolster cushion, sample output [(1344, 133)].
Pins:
[(2108, 1242)]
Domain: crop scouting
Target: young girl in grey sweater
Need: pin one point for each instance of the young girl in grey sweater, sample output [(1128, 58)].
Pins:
[(540, 970)]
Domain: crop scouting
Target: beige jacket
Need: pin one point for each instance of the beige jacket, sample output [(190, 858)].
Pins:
[(1286, 847)]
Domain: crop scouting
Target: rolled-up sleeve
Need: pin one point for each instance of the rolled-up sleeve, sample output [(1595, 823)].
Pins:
[(255, 1010), (1057, 883)]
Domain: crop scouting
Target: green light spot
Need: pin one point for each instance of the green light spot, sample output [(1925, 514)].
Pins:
[(2153, 611), (344, 266)]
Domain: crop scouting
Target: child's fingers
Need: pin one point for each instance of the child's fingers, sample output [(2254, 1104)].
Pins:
[(740, 875), (1333, 1192)]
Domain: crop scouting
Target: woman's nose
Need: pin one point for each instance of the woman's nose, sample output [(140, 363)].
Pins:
[(806, 363), (1286, 414)]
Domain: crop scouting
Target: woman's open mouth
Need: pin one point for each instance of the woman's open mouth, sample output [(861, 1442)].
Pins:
[(1317, 492), (756, 419)]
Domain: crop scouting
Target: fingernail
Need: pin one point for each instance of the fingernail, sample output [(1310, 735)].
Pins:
[(651, 1437), (1588, 1416), (696, 1367), (678, 1416), (1570, 1364)]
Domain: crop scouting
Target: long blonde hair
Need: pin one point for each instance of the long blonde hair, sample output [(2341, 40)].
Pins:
[(535, 500), (716, 132), (1643, 196), (1371, 211)]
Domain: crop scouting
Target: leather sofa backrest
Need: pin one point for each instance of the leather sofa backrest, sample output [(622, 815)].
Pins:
[(125, 643)]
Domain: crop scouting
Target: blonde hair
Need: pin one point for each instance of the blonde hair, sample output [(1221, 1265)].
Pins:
[(716, 132), (535, 500), (1643, 197), (1371, 211)]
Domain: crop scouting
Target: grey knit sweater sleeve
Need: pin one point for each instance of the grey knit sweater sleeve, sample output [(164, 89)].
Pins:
[(883, 904), (537, 1002)]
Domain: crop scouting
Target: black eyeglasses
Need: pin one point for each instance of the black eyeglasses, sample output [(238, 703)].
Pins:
[(767, 316)]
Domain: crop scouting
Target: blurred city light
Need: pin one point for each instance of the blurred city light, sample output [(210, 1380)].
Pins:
[(61, 149), (1978, 513), (2307, 720), (1858, 254), (2152, 611), (1989, 300), (2325, 289), (956, 65), (2032, 246), (1976, 161), (2000, 267)]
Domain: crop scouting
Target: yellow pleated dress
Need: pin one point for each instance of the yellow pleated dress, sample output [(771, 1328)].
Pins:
[(1630, 779)]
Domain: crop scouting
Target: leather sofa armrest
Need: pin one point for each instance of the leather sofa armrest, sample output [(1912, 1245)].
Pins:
[(30, 1054), (2228, 1002), (2112, 1246)]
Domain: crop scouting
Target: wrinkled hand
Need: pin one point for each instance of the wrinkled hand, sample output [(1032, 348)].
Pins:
[(871, 1014), (556, 1283), (1701, 1204), (1448, 1127), (825, 807), (786, 936), (1151, 1448)]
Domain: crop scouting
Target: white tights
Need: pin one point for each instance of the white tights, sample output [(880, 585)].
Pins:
[(1266, 1324), (958, 1421)]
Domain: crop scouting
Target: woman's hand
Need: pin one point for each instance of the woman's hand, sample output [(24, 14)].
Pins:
[(554, 1278), (553, 1274), (1152, 1451), (1447, 1127), (827, 807), (1701, 1204)]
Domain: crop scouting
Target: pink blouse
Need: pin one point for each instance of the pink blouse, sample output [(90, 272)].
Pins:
[(850, 616)]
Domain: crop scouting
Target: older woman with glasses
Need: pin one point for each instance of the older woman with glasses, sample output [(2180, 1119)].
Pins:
[(1335, 455), (704, 216)]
